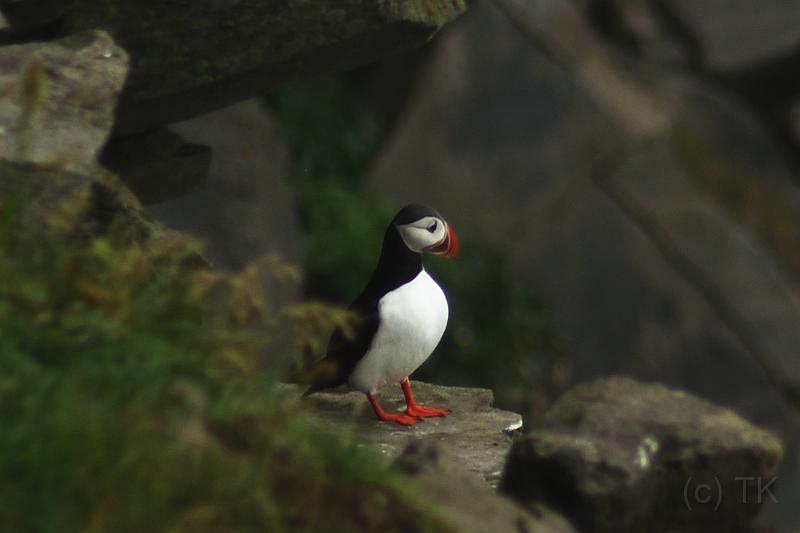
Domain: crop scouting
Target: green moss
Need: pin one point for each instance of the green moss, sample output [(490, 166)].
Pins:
[(423, 11), (132, 399)]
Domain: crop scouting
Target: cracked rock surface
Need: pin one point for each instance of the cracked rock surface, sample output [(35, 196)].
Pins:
[(620, 455), (476, 435)]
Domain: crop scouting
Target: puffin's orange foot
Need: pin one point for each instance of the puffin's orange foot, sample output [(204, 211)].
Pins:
[(414, 409), (400, 418), (426, 412)]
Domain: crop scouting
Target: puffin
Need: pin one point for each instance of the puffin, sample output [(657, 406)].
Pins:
[(402, 314)]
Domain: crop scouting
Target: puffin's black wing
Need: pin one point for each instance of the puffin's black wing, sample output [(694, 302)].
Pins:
[(397, 265), (344, 352)]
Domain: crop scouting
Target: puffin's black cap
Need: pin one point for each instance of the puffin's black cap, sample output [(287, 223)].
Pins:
[(414, 212)]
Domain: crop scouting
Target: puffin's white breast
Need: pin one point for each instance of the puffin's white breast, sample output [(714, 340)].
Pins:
[(412, 320)]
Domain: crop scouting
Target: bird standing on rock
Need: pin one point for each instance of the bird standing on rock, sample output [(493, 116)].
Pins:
[(403, 314)]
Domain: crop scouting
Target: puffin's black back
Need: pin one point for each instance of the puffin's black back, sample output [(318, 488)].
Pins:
[(397, 266)]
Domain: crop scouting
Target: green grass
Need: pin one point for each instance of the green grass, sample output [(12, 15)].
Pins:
[(132, 399)]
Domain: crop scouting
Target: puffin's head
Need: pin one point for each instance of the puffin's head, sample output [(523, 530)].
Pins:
[(424, 230)]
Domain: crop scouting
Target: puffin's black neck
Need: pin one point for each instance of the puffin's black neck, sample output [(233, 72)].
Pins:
[(397, 265)]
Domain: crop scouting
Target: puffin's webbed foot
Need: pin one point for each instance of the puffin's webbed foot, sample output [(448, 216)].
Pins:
[(426, 412), (400, 418), (414, 409)]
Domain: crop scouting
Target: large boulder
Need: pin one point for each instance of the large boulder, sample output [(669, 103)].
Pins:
[(245, 212), (619, 455), (728, 35), (731, 38), (70, 204), (57, 103), (723, 263), (190, 58), (158, 165), (57, 99), (467, 504)]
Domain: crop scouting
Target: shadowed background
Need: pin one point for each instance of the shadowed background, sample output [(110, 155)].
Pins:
[(623, 176)]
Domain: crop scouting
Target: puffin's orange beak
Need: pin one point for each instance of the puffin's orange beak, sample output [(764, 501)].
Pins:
[(447, 247)]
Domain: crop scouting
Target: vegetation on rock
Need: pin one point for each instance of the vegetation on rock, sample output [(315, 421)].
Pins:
[(132, 398)]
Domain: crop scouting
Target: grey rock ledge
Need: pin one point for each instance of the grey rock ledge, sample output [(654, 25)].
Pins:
[(475, 436)]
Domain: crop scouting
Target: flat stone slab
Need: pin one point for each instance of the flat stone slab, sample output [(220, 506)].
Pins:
[(476, 435)]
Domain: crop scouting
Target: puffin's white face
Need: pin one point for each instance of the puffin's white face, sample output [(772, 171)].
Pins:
[(429, 234)]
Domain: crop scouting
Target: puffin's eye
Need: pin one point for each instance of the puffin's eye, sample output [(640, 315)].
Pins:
[(432, 227)]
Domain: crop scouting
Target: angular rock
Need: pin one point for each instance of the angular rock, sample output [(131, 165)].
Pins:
[(67, 204), (728, 35), (245, 212), (562, 31), (57, 99), (619, 455), (643, 27), (221, 52), (731, 270), (467, 504), (64, 205), (24, 17), (158, 165), (723, 127), (476, 436), (476, 144)]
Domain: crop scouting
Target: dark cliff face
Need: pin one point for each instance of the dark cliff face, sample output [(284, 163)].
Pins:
[(639, 186), (190, 59), (628, 166)]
